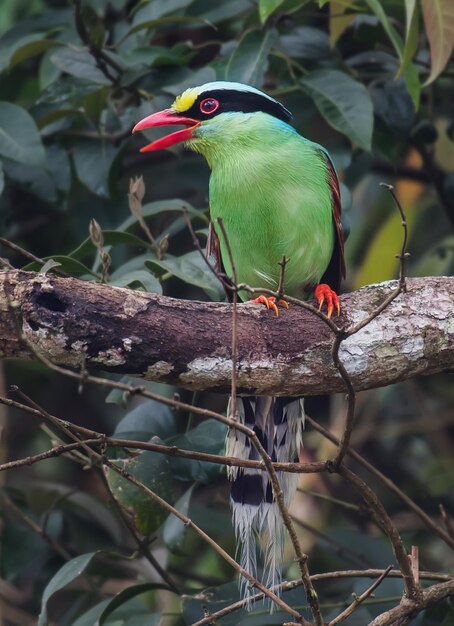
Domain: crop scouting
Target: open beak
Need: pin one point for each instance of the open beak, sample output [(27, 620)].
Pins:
[(167, 118)]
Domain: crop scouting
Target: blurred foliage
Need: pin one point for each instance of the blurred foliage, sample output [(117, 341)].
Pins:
[(372, 80)]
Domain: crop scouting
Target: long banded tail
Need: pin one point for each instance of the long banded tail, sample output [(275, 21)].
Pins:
[(278, 424)]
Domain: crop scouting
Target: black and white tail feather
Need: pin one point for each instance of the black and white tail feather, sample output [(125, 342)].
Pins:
[(260, 533)]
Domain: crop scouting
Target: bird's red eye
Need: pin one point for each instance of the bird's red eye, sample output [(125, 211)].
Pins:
[(209, 105)]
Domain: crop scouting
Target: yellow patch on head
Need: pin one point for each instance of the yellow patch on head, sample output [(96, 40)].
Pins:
[(185, 101)]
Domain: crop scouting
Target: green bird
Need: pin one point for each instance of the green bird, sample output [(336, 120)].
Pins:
[(278, 195)]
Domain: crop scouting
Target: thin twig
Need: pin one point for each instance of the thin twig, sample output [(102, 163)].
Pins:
[(236, 606), (233, 401), (340, 549), (102, 460), (36, 528), (280, 288), (326, 576), (403, 252), (446, 520), (98, 439), (387, 482), (382, 519), (188, 522), (351, 402), (103, 61), (142, 544), (414, 562), (30, 256), (360, 599), (195, 240)]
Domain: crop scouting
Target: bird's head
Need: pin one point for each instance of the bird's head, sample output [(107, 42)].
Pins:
[(209, 113)]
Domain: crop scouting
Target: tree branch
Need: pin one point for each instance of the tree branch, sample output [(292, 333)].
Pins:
[(124, 331)]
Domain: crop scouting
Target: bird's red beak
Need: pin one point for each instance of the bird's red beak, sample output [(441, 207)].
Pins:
[(167, 118)]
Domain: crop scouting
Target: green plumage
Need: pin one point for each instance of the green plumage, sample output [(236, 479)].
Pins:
[(271, 188)]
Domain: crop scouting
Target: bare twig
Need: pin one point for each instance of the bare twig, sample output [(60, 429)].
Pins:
[(236, 606), (36, 528), (280, 289), (382, 519), (100, 439), (29, 255), (351, 608), (387, 482), (340, 549), (195, 240), (188, 522), (447, 521), (403, 252), (103, 60), (100, 459), (326, 576), (233, 402), (142, 544), (408, 609), (414, 562)]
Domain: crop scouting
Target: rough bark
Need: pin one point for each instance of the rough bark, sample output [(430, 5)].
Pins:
[(189, 343)]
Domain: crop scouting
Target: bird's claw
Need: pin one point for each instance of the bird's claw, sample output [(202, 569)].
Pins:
[(324, 292), (270, 303)]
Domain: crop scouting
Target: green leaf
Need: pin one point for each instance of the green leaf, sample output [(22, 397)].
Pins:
[(344, 103), (249, 60), (65, 575), (411, 35), (161, 206), (306, 42), (89, 617), (32, 49), (155, 56), (413, 84), (35, 179), (147, 420), (153, 471), (393, 105), (377, 8), (79, 63), (191, 269), (267, 8), (141, 277), (215, 12), (157, 8), (111, 238), (174, 531), (165, 21), (66, 263), (126, 594), (19, 137), (93, 160), (209, 436), (439, 23), (2, 179)]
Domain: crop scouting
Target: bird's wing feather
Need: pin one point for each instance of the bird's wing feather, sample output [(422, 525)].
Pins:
[(213, 248), (336, 268)]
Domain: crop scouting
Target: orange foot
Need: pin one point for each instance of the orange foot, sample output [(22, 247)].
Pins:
[(270, 303), (324, 292)]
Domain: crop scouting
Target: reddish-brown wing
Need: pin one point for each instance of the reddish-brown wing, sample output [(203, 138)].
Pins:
[(336, 268)]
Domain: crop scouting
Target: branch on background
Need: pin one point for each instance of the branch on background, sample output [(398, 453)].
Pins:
[(130, 332)]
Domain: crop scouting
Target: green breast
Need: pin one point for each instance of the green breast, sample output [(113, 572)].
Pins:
[(275, 200)]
